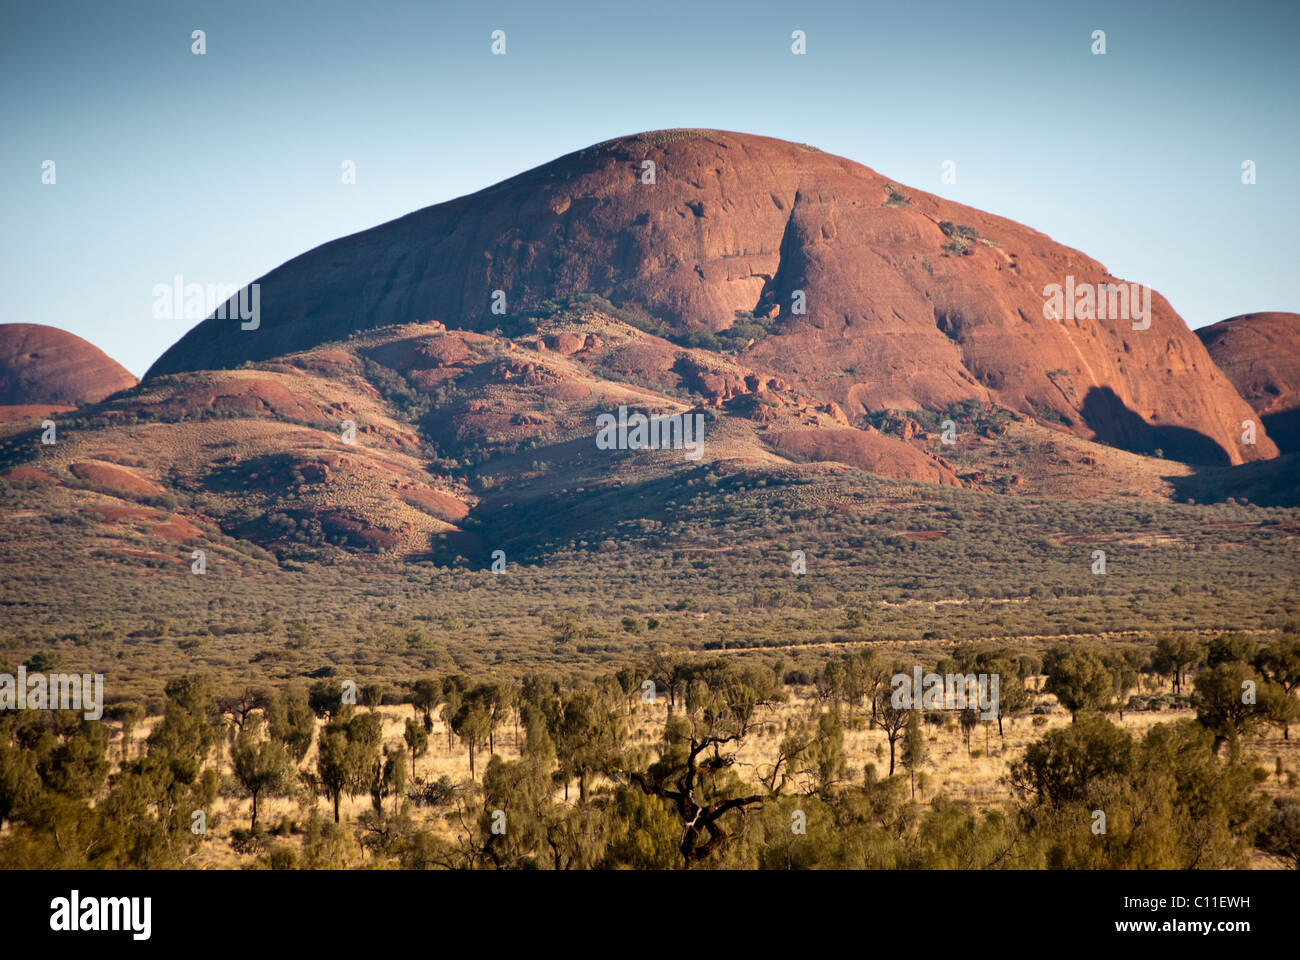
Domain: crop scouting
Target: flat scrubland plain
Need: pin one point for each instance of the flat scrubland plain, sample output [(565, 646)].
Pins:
[(694, 584), (701, 568)]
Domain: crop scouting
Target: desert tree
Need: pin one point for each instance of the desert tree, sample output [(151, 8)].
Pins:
[(914, 752), (1029, 665), (641, 831), (855, 683), (720, 703), (1280, 707), (831, 682), (292, 721), (372, 695), (661, 671), (144, 820), (129, 715), (867, 672), (891, 719), (332, 765), (1230, 648), (790, 763), (347, 755), (417, 741), (1174, 656), (1123, 676), (629, 683), (243, 703), (326, 699), (453, 696), (968, 718), (496, 698), (425, 695), (1170, 803), (262, 766), (520, 790), (541, 695), (186, 733), (576, 836), (19, 783), (472, 723), (1079, 679), (1014, 695), (1059, 768), (588, 737), (1223, 704), (508, 704), (1281, 836), (538, 831), (1279, 662), (390, 778), (826, 751)]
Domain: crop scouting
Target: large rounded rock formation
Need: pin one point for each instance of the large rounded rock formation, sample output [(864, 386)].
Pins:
[(45, 365), (1260, 353), (848, 285)]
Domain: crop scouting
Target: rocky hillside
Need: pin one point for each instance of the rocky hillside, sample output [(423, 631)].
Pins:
[(451, 432), (421, 441)]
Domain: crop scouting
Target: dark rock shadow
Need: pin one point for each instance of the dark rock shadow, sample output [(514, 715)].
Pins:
[(1284, 428), (1265, 483), (1115, 424)]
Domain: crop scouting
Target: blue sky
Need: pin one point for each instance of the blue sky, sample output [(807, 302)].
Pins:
[(220, 167)]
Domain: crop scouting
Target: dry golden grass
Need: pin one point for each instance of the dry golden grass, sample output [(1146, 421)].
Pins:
[(979, 777)]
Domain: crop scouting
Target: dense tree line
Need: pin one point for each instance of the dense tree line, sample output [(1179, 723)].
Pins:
[(581, 789)]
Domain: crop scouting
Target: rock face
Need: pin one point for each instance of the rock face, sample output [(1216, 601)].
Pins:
[(46, 365), (1260, 353), (855, 289)]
